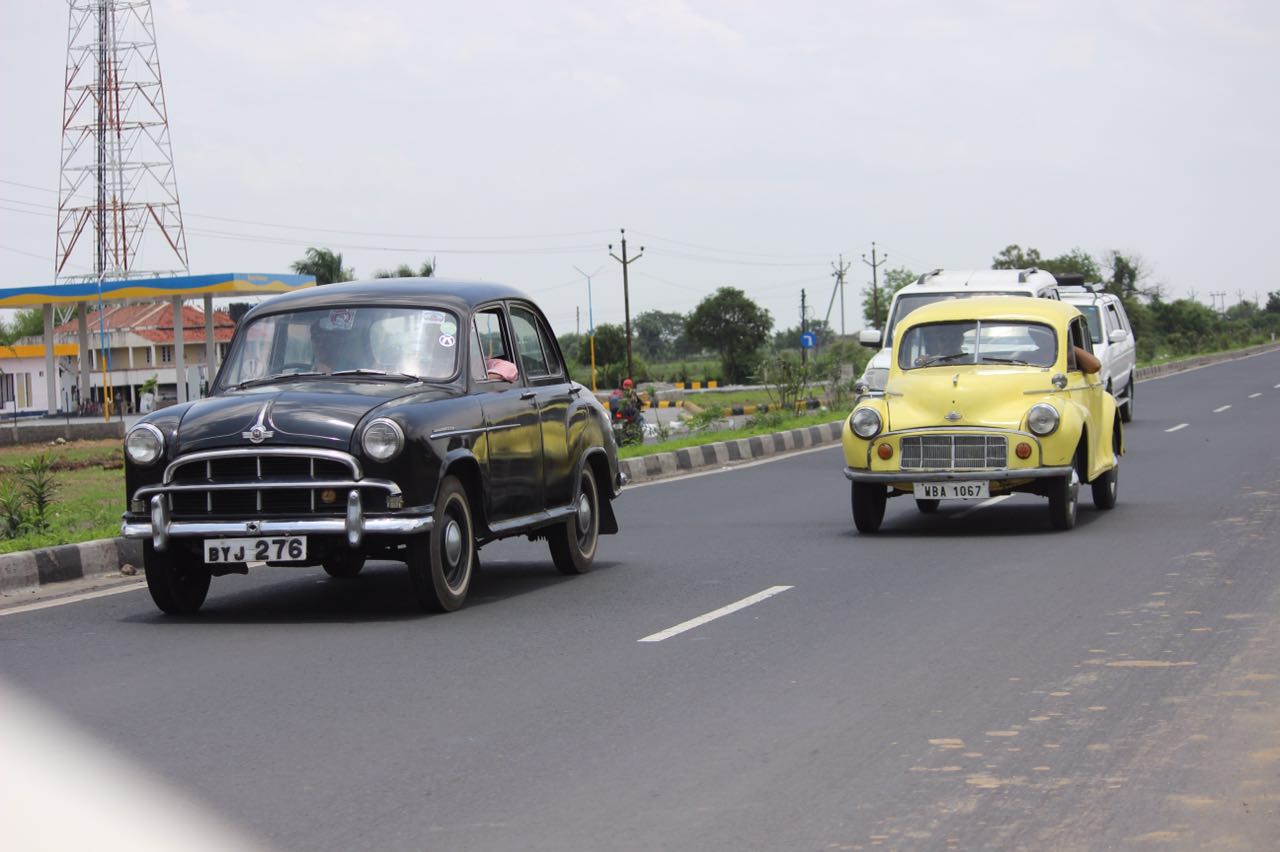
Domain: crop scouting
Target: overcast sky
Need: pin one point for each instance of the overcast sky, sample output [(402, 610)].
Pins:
[(742, 143)]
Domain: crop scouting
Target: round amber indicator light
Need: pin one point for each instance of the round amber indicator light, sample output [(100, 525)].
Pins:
[(328, 496), (1023, 450), (885, 451)]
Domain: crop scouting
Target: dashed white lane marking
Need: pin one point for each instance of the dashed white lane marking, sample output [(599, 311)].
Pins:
[(1254, 395), (984, 504), (1220, 409), (1276, 386), (714, 614), (102, 593), (1176, 428)]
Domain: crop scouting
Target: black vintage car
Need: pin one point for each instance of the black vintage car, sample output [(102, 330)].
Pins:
[(406, 419)]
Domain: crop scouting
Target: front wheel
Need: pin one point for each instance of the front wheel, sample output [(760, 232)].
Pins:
[(573, 543), (177, 589), (868, 506), (1064, 496), (441, 563)]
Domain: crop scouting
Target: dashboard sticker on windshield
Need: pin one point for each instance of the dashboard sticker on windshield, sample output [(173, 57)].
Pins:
[(436, 317), (446, 340), (339, 319), (448, 327)]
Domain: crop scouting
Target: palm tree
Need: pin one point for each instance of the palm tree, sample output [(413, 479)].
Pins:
[(325, 265)]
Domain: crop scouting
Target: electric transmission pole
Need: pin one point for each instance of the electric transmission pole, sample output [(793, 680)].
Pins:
[(804, 326), (626, 290), (838, 272), (875, 282)]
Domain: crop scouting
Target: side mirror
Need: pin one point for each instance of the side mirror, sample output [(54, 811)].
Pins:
[(870, 338), (861, 388), (1118, 335)]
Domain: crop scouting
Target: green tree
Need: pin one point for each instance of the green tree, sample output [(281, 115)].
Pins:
[(659, 334), (611, 345), (894, 280), (325, 265), (25, 323), (1273, 302), (404, 270), (1077, 261), (731, 324)]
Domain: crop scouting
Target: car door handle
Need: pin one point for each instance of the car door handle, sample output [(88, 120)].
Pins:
[(574, 391), (528, 394)]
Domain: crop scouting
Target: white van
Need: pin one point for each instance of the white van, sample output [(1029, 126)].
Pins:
[(948, 284), (1113, 340)]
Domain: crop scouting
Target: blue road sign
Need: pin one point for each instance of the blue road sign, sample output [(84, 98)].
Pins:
[(808, 340)]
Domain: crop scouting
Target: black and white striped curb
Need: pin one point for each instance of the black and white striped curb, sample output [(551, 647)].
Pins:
[(28, 568), (725, 453)]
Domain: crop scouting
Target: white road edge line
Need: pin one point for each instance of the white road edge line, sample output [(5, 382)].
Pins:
[(102, 593), (984, 504), (1220, 409), (714, 614), (1255, 395), (1176, 428)]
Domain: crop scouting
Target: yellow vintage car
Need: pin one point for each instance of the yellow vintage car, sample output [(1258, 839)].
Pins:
[(986, 396)]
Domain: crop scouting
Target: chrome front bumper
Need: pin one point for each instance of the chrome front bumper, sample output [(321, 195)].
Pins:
[(1004, 474), (354, 525)]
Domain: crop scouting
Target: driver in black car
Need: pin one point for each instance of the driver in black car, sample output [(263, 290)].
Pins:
[(332, 348)]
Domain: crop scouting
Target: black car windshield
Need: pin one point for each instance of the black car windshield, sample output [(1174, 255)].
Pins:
[(977, 342), (357, 342)]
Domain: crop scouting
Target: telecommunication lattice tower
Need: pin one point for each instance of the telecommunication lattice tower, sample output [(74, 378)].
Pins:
[(118, 210)]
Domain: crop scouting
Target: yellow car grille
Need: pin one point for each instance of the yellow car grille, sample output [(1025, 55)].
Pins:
[(942, 452)]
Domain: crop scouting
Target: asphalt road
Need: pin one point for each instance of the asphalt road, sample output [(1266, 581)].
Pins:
[(963, 680)]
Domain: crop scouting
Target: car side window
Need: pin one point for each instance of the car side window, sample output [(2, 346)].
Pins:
[(490, 351), (1114, 317), (537, 357)]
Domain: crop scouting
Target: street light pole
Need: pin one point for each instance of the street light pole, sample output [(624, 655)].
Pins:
[(591, 326), (626, 291)]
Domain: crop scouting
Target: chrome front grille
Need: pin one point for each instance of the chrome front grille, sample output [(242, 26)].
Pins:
[(948, 452), (239, 483)]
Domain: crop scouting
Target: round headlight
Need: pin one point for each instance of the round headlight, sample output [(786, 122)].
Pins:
[(865, 422), (382, 440), (1042, 419), (144, 444)]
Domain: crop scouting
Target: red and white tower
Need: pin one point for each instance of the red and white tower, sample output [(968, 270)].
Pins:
[(118, 210)]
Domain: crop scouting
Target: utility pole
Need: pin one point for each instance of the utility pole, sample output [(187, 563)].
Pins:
[(804, 326), (875, 281), (838, 272), (591, 325), (626, 290)]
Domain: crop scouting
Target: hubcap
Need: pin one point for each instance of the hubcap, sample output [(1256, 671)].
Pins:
[(452, 542), (584, 515)]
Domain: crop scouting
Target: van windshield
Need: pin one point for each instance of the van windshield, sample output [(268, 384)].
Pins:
[(905, 303)]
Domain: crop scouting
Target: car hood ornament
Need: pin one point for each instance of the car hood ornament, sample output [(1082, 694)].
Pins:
[(259, 432), (953, 416)]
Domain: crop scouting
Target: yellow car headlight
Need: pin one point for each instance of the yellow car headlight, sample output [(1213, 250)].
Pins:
[(865, 422), (1042, 419)]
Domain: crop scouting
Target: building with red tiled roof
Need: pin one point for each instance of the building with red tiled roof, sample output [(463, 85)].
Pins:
[(140, 344)]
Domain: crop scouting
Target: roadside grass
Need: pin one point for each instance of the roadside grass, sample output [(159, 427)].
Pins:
[(728, 399), (749, 430), (90, 498)]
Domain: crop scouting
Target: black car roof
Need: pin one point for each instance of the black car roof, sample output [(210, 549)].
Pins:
[(446, 293)]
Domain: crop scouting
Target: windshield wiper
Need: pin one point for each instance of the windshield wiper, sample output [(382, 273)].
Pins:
[(383, 374), (942, 359), (997, 360), (266, 380)]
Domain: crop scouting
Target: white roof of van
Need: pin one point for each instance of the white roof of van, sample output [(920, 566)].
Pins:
[(986, 279)]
